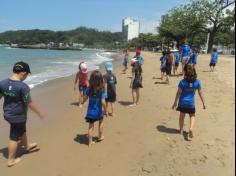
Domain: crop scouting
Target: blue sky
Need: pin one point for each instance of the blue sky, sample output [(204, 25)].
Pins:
[(69, 14)]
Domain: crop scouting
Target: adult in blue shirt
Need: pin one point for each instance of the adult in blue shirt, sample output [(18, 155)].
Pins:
[(185, 54), (186, 96), (214, 59)]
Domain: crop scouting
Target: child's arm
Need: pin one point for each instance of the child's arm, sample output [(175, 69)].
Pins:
[(177, 98), (202, 98), (0, 96), (132, 80), (34, 108), (104, 106), (76, 80)]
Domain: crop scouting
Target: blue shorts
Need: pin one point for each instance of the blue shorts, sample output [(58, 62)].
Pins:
[(82, 88), (17, 131)]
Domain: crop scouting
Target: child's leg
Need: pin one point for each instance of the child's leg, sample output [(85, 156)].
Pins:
[(181, 122), (138, 96), (100, 130), (12, 148), (192, 122), (134, 96), (90, 134), (112, 108), (167, 79), (24, 142), (81, 98)]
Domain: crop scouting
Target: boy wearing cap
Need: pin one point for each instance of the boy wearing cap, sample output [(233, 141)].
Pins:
[(110, 81), (17, 100), (82, 79)]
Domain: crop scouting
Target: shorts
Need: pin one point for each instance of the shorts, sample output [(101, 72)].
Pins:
[(137, 85), (176, 64), (82, 88), (111, 97), (185, 59), (17, 130), (212, 64), (186, 110), (168, 71), (89, 120), (163, 70)]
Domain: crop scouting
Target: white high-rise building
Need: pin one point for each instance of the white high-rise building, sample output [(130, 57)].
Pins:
[(130, 28)]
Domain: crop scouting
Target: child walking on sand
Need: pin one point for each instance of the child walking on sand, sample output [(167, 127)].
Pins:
[(136, 81), (97, 99), (110, 82), (177, 60), (125, 63), (214, 59), (193, 57), (17, 100), (186, 97), (82, 79), (163, 64)]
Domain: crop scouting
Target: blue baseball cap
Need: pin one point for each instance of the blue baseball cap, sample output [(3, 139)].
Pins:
[(109, 66)]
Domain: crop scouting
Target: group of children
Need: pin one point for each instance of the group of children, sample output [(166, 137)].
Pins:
[(100, 91)]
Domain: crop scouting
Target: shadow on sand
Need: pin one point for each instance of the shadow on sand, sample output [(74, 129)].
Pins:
[(83, 139), (125, 103), (161, 82), (164, 129), (20, 152), (74, 104)]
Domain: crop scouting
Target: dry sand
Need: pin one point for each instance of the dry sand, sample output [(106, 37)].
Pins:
[(140, 141)]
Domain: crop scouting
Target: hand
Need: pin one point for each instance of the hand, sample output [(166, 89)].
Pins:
[(174, 106), (41, 115)]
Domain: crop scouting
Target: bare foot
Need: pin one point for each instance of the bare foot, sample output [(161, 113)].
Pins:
[(190, 134), (32, 147), (13, 162), (91, 143), (101, 139), (132, 105)]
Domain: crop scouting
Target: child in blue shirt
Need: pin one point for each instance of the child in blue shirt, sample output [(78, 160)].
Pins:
[(163, 64), (177, 60), (97, 100), (186, 97), (193, 57), (17, 100), (185, 54), (214, 59), (125, 63)]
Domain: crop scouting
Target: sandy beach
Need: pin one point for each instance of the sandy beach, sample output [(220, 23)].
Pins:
[(139, 141)]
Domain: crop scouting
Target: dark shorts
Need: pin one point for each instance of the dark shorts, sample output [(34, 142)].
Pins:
[(82, 88), (17, 130), (111, 97), (186, 110), (163, 70), (89, 120), (212, 64), (176, 64), (137, 85), (168, 71)]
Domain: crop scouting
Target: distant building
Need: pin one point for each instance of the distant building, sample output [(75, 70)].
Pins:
[(130, 28)]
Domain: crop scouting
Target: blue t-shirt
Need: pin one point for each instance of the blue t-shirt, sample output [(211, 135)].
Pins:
[(214, 57), (177, 57), (193, 58), (185, 50), (140, 60), (95, 104), (187, 99), (163, 61), (16, 98)]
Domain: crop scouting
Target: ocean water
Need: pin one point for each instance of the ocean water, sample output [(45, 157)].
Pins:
[(49, 64)]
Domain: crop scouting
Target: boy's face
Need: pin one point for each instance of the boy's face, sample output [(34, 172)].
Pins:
[(23, 76)]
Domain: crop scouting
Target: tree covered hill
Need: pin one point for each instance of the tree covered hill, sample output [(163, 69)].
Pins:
[(87, 36)]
